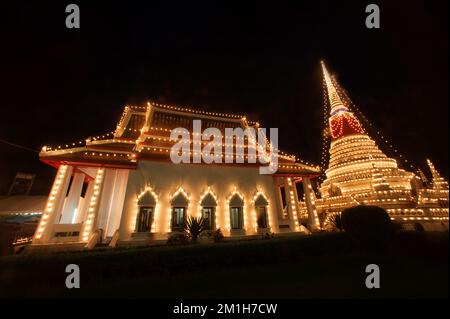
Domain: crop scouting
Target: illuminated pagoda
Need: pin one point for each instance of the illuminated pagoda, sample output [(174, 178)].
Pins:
[(122, 188), (359, 173)]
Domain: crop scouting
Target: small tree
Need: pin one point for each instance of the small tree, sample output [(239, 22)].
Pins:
[(178, 239), (194, 227), (217, 236), (335, 221)]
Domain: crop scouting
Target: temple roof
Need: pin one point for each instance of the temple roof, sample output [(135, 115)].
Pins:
[(143, 133)]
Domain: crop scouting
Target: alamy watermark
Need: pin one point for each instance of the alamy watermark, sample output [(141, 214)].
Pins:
[(373, 279), (207, 146), (73, 279), (73, 19), (373, 19)]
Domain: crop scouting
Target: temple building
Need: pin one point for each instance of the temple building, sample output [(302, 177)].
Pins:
[(359, 173), (122, 188)]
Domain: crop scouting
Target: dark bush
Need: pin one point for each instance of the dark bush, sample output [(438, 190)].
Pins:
[(397, 227), (370, 225), (418, 227), (268, 235), (217, 236), (178, 239)]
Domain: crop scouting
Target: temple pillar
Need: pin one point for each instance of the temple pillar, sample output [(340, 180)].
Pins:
[(291, 204), (310, 200), (54, 204), (83, 209), (111, 202), (117, 202), (71, 205), (90, 223), (106, 200)]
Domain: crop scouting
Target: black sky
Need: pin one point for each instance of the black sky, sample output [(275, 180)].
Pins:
[(257, 58)]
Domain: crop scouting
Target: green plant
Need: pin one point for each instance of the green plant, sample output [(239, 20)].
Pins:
[(217, 236), (335, 221), (177, 239), (268, 235), (194, 226)]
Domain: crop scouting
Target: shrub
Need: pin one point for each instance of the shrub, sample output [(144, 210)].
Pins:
[(177, 239), (269, 235), (217, 236), (370, 225), (418, 227), (194, 227), (335, 221), (397, 227)]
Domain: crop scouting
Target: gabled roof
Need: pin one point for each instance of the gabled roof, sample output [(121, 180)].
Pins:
[(143, 133)]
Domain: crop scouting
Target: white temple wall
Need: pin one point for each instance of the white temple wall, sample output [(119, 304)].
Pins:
[(166, 178)]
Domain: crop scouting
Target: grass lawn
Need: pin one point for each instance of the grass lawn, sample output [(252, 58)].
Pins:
[(318, 266)]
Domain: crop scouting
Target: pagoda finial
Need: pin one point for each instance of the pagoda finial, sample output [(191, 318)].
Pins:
[(334, 98)]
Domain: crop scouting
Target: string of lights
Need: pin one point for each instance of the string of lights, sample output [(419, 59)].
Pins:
[(325, 132), (380, 136), (18, 146)]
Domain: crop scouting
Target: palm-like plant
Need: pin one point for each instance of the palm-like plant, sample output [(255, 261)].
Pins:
[(194, 226), (335, 221)]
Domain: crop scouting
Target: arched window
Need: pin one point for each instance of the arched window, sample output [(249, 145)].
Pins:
[(236, 212), (208, 206), (146, 205), (179, 203), (261, 204)]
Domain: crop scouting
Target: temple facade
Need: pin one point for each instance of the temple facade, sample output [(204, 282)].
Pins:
[(123, 188), (359, 173)]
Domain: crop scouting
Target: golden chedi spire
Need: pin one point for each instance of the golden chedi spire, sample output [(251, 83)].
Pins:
[(333, 96)]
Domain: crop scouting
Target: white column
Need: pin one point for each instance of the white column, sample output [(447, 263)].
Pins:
[(118, 198), (68, 214), (105, 199), (291, 203), (83, 209), (310, 200), (90, 223), (54, 205)]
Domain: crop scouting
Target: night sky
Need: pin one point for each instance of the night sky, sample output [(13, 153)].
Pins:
[(61, 85)]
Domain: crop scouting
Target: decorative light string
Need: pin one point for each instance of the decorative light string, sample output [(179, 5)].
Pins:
[(51, 201), (325, 131), (76, 144), (150, 191), (349, 103), (258, 194), (93, 204)]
